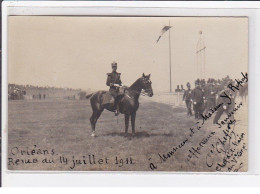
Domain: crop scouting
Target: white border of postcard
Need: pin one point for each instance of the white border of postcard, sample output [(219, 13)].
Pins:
[(249, 9)]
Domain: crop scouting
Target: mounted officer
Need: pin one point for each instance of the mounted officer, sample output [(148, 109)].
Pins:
[(187, 98), (114, 82)]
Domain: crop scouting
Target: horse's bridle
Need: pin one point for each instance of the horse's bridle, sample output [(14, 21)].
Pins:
[(149, 90)]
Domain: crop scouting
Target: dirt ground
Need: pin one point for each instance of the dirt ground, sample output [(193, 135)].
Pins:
[(59, 132)]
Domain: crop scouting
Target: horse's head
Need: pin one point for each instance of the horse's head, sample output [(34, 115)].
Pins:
[(147, 85)]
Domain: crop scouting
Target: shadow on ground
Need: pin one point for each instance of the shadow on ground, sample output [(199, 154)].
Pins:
[(137, 134)]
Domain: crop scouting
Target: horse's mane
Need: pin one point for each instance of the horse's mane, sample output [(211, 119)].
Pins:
[(135, 83)]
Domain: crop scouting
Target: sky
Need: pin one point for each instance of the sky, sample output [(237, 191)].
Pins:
[(77, 52)]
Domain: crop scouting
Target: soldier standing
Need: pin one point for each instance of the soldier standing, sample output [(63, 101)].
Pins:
[(204, 89), (182, 89), (177, 89), (197, 99), (187, 98), (112, 79), (210, 95)]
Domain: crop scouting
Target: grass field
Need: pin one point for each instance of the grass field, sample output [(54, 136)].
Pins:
[(64, 126)]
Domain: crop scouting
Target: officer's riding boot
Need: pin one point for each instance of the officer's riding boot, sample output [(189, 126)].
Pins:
[(117, 111), (116, 107)]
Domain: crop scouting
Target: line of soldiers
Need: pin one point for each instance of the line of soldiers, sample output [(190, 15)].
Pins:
[(178, 89), (205, 96)]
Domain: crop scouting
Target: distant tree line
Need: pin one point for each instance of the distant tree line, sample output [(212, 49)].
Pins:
[(30, 92)]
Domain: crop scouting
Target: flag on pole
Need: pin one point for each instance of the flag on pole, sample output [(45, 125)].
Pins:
[(165, 29)]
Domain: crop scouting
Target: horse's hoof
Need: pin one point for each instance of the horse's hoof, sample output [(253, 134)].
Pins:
[(93, 135)]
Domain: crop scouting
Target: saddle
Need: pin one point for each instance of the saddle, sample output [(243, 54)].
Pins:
[(108, 98)]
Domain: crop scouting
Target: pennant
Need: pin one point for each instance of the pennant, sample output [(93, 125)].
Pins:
[(165, 29)]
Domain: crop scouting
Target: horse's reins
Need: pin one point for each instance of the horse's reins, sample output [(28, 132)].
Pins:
[(142, 93)]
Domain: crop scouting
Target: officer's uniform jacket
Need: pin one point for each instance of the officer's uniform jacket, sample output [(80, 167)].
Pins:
[(113, 78), (197, 95), (187, 95), (211, 92)]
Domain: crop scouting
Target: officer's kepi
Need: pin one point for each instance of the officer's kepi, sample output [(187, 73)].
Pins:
[(114, 64)]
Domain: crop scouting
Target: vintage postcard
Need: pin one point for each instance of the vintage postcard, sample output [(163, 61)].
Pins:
[(127, 94)]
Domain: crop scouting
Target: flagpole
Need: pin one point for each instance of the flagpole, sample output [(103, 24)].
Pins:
[(165, 28), (170, 58)]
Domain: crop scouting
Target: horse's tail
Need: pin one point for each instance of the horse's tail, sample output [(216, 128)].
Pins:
[(88, 96)]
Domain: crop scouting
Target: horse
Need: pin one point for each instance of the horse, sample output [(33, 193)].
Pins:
[(128, 104)]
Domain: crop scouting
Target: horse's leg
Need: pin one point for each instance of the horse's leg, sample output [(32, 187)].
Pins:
[(133, 122), (93, 123), (126, 123), (93, 120), (97, 110)]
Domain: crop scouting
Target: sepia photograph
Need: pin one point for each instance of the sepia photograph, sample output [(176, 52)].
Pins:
[(127, 94)]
